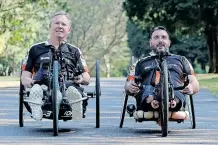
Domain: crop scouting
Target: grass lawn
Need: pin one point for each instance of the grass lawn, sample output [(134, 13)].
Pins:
[(9, 78), (209, 81)]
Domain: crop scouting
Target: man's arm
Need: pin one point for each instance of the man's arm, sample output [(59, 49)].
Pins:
[(194, 82), (131, 88), (27, 67), (26, 79), (82, 79), (86, 78), (193, 86)]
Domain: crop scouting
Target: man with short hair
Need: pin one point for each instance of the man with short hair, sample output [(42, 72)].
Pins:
[(60, 27), (147, 69)]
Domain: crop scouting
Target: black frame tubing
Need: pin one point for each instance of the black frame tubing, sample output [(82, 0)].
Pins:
[(165, 98), (55, 89), (98, 93)]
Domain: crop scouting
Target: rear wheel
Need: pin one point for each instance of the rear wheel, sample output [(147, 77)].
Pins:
[(55, 90), (164, 99), (123, 110), (192, 116), (98, 93), (21, 103)]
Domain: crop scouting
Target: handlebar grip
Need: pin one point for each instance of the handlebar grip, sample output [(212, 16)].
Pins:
[(179, 88), (182, 87)]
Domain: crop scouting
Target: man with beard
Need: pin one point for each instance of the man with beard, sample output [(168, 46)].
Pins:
[(147, 101), (60, 27)]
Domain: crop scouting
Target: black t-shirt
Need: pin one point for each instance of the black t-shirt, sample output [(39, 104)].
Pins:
[(71, 54), (177, 65)]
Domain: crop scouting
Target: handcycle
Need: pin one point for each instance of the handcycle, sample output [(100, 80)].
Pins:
[(57, 80), (166, 91)]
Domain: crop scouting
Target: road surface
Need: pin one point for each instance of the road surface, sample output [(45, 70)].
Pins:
[(84, 131)]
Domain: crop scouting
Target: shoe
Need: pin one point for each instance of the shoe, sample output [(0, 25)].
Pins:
[(35, 102), (172, 104), (155, 104), (130, 109), (73, 95)]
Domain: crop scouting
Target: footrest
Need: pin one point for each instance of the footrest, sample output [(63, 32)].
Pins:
[(85, 98), (65, 111)]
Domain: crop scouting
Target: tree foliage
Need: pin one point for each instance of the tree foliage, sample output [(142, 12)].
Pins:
[(98, 29), (20, 22), (184, 20)]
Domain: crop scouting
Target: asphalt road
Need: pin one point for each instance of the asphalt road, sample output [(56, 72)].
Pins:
[(84, 131)]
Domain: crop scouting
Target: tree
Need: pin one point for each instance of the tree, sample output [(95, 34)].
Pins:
[(20, 22), (186, 18), (98, 29), (137, 40), (193, 47), (10, 32)]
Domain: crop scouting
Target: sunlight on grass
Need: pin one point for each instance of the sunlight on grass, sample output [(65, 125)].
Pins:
[(206, 76), (210, 83), (9, 78)]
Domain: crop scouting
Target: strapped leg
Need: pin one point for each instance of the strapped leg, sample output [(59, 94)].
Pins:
[(179, 102), (148, 100)]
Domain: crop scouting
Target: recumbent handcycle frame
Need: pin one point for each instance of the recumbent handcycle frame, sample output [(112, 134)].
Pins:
[(167, 93), (56, 80)]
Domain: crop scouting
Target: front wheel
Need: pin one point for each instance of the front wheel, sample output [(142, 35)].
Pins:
[(164, 99), (55, 89), (192, 116), (123, 112), (21, 103)]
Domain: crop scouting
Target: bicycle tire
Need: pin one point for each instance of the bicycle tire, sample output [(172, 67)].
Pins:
[(55, 89), (21, 103), (98, 93), (164, 99), (123, 110), (193, 121)]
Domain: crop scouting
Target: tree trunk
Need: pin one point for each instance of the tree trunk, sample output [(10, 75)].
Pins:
[(211, 38), (14, 65), (203, 67), (216, 49), (107, 65)]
